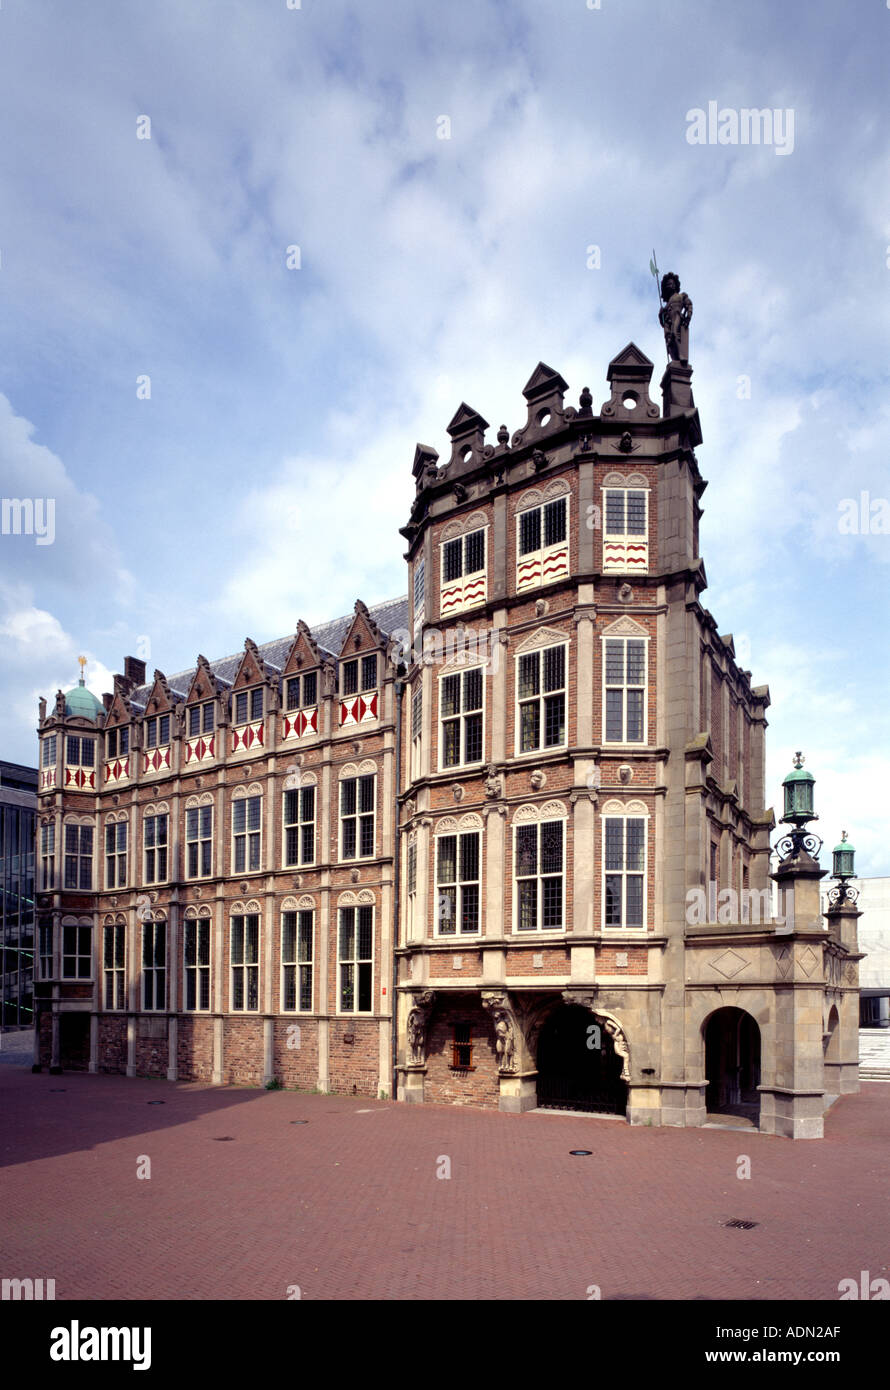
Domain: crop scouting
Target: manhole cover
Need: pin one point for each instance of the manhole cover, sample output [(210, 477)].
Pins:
[(299, 1122), (581, 1153), (57, 1089), (223, 1138), (738, 1225), (155, 1102)]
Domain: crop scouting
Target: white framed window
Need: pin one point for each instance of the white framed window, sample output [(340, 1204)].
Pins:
[(419, 595), (201, 719), (539, 876), (48, 751), (625, 529), (358, 800), (542, 546), (464, 582), (117, 742), (116, 854), (299, 826), (416, 727), (296, 961), (196, 964), (80, 752), (77, 951), (247, 832), (48, 856), (114, 983), (45, 949), (301, 692), (541, 699), (359, 674), (624, 871), (157, 731), (154, 965), (78, 856), (457, 884), (154, 839), (198, 841), (244, 962), (355, 960), (624, 689), (461, 718), (248, 706)]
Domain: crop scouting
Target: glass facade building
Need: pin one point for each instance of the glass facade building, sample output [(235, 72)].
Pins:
[(18, 811)]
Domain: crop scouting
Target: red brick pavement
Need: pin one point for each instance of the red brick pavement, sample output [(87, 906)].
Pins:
[(348, 1206)]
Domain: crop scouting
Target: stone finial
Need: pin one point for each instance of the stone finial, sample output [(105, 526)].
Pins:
[(586, 402), (503, 436)]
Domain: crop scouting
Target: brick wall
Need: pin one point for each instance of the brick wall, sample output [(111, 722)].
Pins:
[(444, 1085), (296, 1066), (194, 1048), (354, 1067), (112, 1043)]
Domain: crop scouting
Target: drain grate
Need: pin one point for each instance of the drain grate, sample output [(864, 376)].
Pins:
[(299, 1122), (738, 1225), (155, 1102), (581, 1153), (223, 1138)]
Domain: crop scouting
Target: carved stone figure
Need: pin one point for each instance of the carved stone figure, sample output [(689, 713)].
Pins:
[(539, 459), (504, 1044), (492, 781), (416, 1026), (497, 1004), (416, 1035), (674, 318), (619, 1042)]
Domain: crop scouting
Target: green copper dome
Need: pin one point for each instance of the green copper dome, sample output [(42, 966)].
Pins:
[(844, 848), (798, 774), (82, 702)]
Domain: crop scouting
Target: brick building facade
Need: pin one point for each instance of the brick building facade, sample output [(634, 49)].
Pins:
[(490, 803)]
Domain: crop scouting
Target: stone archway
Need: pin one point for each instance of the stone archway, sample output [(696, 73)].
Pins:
[(578, 1063), (732, 1063)]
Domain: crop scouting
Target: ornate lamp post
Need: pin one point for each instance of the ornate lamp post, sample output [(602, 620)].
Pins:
[(842, 870), (798, 788)]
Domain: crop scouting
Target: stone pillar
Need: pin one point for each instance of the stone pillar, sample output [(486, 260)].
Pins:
[(793, 1103), (415, 1008), (94, 1043), (268, 1049), (55, 1067), (843, 918)]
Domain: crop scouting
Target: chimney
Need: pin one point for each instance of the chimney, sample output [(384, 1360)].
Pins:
[(134, 670)]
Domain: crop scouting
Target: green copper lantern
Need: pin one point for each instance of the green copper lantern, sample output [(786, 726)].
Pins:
[(842, 859), (798, 786)]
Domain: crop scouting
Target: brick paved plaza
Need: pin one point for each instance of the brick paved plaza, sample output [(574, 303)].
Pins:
[(348, 1205)]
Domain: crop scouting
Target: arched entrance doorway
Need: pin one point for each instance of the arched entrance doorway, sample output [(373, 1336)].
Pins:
[(578, 1068), (732, 1064)]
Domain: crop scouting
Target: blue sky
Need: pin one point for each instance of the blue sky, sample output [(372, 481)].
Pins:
[(266, 477)]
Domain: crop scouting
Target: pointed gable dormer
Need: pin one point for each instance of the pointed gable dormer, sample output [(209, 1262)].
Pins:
[(201, 709), (157, 727), (467, 429), (361, 674), (628, 376), (301, 686), (250, 700), (118, 734)]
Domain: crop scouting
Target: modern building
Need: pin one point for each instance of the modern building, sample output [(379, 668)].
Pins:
[(522, 811), (18, 811), (874, 942)]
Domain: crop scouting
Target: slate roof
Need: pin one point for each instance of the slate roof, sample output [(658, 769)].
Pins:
[(389, 615)]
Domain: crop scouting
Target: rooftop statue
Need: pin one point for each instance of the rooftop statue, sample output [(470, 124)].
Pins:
[(674, 316)]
